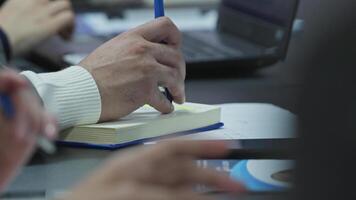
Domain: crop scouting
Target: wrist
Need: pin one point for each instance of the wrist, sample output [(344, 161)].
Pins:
[(71, 95)]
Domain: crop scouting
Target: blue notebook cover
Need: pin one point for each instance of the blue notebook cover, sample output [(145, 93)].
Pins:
[(137, 142)]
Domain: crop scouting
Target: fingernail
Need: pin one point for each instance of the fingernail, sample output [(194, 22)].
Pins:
[(50, 131)]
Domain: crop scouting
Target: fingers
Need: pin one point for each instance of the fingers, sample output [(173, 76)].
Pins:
[(180, 168), (152, 192), (212, 178), (58, 6), (49, 126), (22, 117), (173, 80), (160, 102), (10, 81), (40, 121), (171, 69), (170, 78), (161, 30), (195, 149), (194, 175), (30, 117), (30, 111), (184, 172), (169, 56), (61, 17), (60, 21)]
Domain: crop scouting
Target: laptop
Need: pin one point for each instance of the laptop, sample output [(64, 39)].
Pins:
[(249, 34)]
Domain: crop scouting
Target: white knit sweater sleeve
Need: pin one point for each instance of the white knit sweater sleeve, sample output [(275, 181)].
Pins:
[(71, 95)]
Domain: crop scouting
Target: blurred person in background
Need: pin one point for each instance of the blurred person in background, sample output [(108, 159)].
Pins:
[(26, 24)]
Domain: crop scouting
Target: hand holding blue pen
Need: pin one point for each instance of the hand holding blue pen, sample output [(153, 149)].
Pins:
[(159, 12)]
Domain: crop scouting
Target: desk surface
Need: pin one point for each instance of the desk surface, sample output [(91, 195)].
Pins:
[(279, 85), (273, 85)]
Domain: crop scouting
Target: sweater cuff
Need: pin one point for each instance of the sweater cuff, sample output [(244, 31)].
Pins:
[(71, 95)]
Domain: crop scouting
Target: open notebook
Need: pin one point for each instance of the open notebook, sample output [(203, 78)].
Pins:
[(144, 125)]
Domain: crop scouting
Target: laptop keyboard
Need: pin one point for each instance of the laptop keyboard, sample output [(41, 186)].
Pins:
[(199, 50)]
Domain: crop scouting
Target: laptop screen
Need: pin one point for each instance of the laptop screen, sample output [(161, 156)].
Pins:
[(267, 23), (274, 11)]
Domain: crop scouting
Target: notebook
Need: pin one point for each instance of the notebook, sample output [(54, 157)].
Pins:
[(144, 125)]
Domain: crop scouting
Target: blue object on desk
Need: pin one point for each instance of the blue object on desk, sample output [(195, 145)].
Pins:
[(159, 12), (7, 106), (240, 172)]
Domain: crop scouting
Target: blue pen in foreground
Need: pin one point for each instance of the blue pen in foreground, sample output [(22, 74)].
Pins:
[(159, 12), (9, 112)]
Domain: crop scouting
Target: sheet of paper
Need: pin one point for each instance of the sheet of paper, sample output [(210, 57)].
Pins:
[(252, 121)]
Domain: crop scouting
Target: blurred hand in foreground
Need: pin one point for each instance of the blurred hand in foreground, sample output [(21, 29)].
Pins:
[(18, 134), (167, 171)]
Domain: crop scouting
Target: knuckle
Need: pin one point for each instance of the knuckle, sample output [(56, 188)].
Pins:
[(148, 68), (166, 21), (168, 24), (140, 47)]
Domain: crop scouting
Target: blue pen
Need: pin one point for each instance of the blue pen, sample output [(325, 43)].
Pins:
[(159, 8), (6, 106), (9, 113), (159, 12)]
